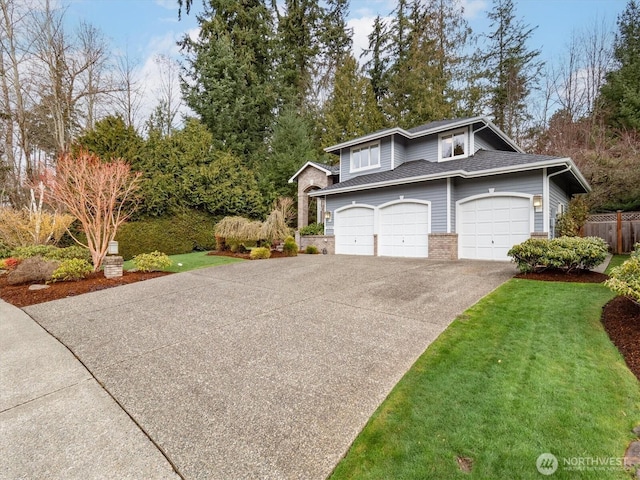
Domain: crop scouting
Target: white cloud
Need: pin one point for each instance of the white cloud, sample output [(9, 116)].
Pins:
[(362, 27), (473, 7), (168, 4)]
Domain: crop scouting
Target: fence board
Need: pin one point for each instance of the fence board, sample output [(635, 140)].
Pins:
[(604, 225)]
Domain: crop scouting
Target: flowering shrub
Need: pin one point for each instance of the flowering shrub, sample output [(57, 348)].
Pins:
[(564, 253), (71, 270), (151, 262)]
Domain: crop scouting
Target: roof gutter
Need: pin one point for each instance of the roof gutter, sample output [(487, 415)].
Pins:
[(457, 173)]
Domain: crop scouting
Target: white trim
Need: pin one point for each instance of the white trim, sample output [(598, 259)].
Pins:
[(463, 174), (449, 205), (393, 152), (442, 128), (365, 146), (378, 214), (487, 195), (546, 202), (312, 164), (453, 133)]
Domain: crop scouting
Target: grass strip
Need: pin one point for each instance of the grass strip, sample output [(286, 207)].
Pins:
[(527, 370), (191, 261)]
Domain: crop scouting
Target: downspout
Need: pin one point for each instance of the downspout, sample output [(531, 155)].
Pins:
[(546, 201), (473, 137)]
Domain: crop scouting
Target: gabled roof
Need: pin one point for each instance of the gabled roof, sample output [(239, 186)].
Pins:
[(482, 163), (426, 129), (329, 170)]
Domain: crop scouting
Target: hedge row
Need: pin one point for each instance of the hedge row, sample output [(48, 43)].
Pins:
[(182, 233), (564, 253)]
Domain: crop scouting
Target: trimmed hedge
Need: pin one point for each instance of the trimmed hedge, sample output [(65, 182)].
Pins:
[(182, 233), (313, 229), (51, 252), (564, 253)]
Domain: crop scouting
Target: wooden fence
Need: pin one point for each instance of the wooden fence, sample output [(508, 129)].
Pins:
[(621, 230)]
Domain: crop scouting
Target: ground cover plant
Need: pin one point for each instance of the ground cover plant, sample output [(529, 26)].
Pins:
[(527, 370)]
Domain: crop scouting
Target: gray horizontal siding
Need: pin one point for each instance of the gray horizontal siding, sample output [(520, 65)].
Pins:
[(423, 148), (556, 197), (400, 150), (526, 182), (487, 140), (385, 161), (435, 192)]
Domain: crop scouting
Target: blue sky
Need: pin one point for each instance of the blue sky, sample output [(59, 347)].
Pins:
[(147, 28)]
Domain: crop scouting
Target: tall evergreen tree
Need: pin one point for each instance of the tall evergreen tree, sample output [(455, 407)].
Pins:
[(512, 69), (297, 49), (228, 74), (351, 109), (621, 92), (377, 67)]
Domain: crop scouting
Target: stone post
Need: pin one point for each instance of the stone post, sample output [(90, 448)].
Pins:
[(112, 265)]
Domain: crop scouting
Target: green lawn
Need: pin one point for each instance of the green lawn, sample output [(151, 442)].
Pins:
[(192, 261), (527, 370)]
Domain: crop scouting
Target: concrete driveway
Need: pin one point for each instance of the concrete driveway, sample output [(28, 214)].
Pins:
[(264, 369)]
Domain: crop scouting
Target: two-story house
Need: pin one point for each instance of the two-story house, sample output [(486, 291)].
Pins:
[(448, 189)]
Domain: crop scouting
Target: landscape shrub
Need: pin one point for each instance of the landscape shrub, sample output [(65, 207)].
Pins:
[(151, 262), (34, 269), (290, 247), (564, 253), (259, 253), (71, 270), (311, 249), (9, 263), (313, 229), (51, 252), (274, 228), (236, 230), (181, 233), (625, 279), (5, 251)]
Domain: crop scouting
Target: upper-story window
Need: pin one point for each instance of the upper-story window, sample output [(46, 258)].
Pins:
[(365, 157), (454, 145)]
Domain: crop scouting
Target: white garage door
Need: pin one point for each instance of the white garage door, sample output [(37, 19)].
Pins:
[(489, 227), (354, 231), (404, 230)]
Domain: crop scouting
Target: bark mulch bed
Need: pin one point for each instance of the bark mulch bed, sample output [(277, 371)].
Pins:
[(621, 319), (580, 276), (21, 296)]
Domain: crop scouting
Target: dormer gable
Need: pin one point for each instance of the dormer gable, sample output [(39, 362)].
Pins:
[(438, 141)]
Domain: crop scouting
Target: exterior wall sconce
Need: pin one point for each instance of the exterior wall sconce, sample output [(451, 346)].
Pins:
[(112, 249), (327, 216), (537, 203)]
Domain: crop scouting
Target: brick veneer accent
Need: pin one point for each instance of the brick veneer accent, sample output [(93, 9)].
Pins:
[(112, 266), (543, 235), (443, 246), (320, 241)]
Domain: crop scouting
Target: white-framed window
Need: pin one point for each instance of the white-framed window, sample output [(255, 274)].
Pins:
[(453, 145), (365, 157)]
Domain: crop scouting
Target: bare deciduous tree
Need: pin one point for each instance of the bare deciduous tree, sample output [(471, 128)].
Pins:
[(98, 194)]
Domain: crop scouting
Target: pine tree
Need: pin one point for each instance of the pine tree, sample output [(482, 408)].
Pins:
[(377, 67), (511, 68), (621, 92), (229, 72)]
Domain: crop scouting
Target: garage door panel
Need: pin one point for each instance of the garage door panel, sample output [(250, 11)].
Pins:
[(404, 230), (354, 231), (490, 226)]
